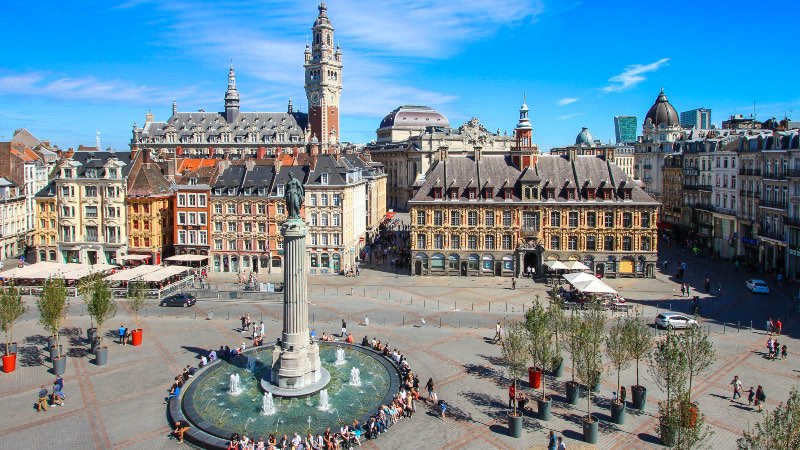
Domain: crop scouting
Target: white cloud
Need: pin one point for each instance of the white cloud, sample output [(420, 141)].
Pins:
[(633, 75), (570, 116), (567, 101)]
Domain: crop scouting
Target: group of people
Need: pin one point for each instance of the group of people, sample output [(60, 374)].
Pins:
[(346, 437), (517, 398), (257, 330), (47, 398), (774, 327), (756, 397), (775, 350)]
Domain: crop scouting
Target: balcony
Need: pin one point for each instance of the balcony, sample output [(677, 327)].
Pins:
[(774, 205), (697, 187), (792, 222), (703, 207), (750, 171), (530, 231), (793, 173), (751, 194), (777, 236), (647, 166), (774, 176)]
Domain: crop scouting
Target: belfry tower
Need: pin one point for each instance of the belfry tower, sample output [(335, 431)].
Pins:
[(524, 153), (323, 67)]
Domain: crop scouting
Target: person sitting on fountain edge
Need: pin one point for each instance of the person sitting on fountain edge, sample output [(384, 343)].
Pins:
[(365, 342)]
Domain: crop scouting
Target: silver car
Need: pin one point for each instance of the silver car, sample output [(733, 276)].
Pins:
[(671, 320)]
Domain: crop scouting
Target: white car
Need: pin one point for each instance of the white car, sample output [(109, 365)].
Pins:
[(757, 286), (671, 320)]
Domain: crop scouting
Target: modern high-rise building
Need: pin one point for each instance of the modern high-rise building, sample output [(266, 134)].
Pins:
[(625, 128), (699, 119)]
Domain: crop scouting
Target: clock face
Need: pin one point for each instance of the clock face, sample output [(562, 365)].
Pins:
[(315, 98)]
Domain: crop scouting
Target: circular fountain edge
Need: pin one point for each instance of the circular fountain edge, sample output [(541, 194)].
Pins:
[(277, 391)]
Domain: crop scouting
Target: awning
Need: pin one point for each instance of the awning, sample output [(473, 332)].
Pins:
[(556, 265), (130, 274), (164, 273), (185, 258), (133, 257), (580, 277), (594, 287), (576, 265)]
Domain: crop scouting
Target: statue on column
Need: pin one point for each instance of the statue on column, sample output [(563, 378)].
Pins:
[(294, 196)]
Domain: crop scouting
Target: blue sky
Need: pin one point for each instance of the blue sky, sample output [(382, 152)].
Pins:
[(71, 68)]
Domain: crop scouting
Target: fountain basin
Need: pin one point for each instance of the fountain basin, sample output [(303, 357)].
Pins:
[(205, 397), (277, 391)]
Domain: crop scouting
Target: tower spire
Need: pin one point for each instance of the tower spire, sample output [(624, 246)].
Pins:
[(231, 97)]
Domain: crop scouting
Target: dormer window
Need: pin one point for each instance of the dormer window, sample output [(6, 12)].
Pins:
[(324, 178), (67, 173), (280, 189), (507, 193), (453, 193), (488, 193), (590, 193), (551, 193), (192, 181), (570, 194), (437, 193), (472, 193), (217, 191), (627, 193)]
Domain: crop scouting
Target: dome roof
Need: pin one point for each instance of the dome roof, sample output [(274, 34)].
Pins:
[(585, 138), (662, 112), (414, 117)]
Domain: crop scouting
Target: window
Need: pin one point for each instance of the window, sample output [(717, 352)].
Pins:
[(506, 242), (281, 208), (280, 189), (573, 219), (262, 227), (472, 218), (181, 236), (262, 208), (65, 191), (336, 239), (421, 241), (627, 244), (455, 242), (437, 218), (111, 212), (201, 218), (530, 220), (192, 199), (627, 220), (555, 243), (314, 219), (91, 211), (506, 218), (645, 243), (201, 200), (608, 244), (336, 221), (555, 219), (248, 208), (591, 243), (192, 218), (455, 218), (472, 242), (313, 238), (323, 199), (231, 244), (572, 243), (91, 191), (488, 242), (337, 199), (438, 241), (421, 218), (248, 244), (231, 227), (489, 219), (324, 178), (218, 226), (203, 237), (609, 221), (218, 208), (313, 200), (645, 220), (262, 245), (591, 219), (248, 227), (182, 218), (218, 244), (231, 208), (324, 219)]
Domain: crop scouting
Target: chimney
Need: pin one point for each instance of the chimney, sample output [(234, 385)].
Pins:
[(134, 151), (261, 153), (210, 152), (70, 152), (146, 156), (178, 151)]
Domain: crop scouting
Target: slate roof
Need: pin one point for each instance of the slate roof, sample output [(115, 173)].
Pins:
[(265, 125), (147, 180), (98, 159), (336, 171), (299, 172)]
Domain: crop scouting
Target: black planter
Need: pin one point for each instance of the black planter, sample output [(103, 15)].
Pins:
[(55, 351), (558, 369), (60, 365), (596, 388), (590, 430), (618, 413), (94, 344), (639, 397), (51, 341), (91, 333), (514, 425), (11, 348), (544, 409), (573, 390), (101, 356)]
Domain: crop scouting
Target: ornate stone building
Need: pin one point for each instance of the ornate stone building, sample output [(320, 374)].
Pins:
[(192, 210), (150, 205), (585, 145), (14, 230), (45, 238), (661, 127), (323, 68)]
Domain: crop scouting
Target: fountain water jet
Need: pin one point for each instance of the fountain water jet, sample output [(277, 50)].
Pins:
[(323, 400), (355, 377), (251, 363), (340, 357), (268, 405), (235, 386)]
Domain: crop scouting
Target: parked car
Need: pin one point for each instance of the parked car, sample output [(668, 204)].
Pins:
[(185, 300), (670, 320), (757, 286)]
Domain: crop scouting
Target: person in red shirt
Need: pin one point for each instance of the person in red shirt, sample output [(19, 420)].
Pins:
[(512, 396), (778, 326)]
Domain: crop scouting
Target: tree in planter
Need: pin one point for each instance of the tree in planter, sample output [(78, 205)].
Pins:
[(669, 369), (639, 340), (516, 353), (11, 309), (85, 286), (101, 305), (687, 427), (558, 322), (52, 304), (699, 352), (538, 326), (589, 338), (617, 349), (778, 429), (137, 299)]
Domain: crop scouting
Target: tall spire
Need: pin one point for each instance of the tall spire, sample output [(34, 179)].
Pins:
[(231, 97), (524, 122)]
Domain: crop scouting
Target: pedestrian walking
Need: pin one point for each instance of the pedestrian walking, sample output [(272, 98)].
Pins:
[(623, 394), (737, 387), (42, 403), (431, 390), (778, 326), (683, 290), (761, 397), (513, 284), (561, 444), (366, 321), (442, 408), (496, 332), (244, 323), (707, 285), (344, 328), (783, 352), (688, 290), (751, 396), (769, 327), (121, 331), (552, 442), (512, 396)]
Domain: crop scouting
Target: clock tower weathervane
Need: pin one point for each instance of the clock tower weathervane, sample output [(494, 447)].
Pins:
[(323, 67)]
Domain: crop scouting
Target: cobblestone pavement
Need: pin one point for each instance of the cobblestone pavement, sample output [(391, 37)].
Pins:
[(120, 405)]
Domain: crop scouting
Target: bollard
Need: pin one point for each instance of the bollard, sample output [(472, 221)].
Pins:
[(440, 322), (365, 292), (459, 322), (412, 301), (751, 325), (437, 305), (195, 314), (390, 295), (506, 306), (145, 312), (351, 292), (229, 314), (724, 327), (262, 316), (424, 303), (337, 291), (404, 320), (670, 306), (324, 290), (473, 306)]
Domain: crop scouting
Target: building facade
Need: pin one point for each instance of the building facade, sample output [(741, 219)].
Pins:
[(192, 210), (625, 129), (14, 231), (661, 127), (725, 198), (45, 238), (699, 119), (150, 210), (323, 69)]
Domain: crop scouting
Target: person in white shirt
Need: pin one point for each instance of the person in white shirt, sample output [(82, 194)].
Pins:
[(561, 444)]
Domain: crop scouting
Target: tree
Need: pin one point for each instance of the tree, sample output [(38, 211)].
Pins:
[(540, 339), (779, 429), (639, 339), (11, 309), (84, 286), (571, 329), (101, 305), (589, 339), (558, 322), (516, 353), (617, 348), (699, 352), (669, 369), (52, 304), (137, 299)]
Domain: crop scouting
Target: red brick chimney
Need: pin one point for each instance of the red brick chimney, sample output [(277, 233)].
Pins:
[(262, 153)]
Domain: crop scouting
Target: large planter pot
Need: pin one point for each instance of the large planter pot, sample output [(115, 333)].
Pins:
[(55, 351), (136, 337), (535, 377), (11, 348), (667, 434), (596, 388), (9, 362), (91, 333), (572, 392), (101, 356), (51, 341), (558, 368), (639, 394), (544, 409), (514, 425), (590, 430), (94, 344), (60, 365), (618, 413)]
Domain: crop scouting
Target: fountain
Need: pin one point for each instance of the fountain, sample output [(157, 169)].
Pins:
[(340, 357), (268, 405), (251, 363), (235, 386), (324, 404), (355, 377)]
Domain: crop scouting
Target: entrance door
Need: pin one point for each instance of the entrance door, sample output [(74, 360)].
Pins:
[(498, 268), (92, 256), (418, 268), (532, 259), (600, 269), (464, 269)]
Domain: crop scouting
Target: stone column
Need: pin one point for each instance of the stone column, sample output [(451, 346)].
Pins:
[(295, 305)]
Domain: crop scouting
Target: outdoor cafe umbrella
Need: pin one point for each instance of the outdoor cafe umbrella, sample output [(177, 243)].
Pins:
[(576, 265), (594, 287), (580, 277), (556, 265)]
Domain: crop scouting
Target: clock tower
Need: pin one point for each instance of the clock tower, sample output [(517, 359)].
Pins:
[(323, 67)]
